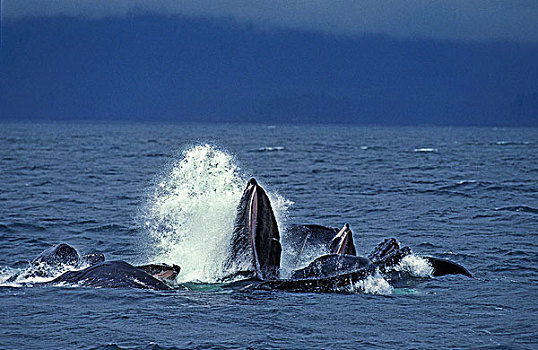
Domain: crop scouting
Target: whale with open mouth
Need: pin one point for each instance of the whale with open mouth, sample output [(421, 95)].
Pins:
[(255, 247), (255, 252)]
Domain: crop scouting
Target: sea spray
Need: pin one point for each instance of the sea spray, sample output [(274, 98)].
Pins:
[(372, 284), (191, 215), (415, 265)]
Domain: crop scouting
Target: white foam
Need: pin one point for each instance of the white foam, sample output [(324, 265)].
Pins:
[(415, 265), (34, 273), (280, 207), (190, 217), (289, 262), (373, 284), (5, 274), (466, 182), (270, 149), (426, 150)]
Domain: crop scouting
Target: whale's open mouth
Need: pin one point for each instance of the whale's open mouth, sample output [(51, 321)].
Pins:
[(263, 233), (343, 243), (253, 224), (255, 246)]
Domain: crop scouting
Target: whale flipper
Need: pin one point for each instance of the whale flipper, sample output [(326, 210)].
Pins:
[(443, 267), (388, 253)]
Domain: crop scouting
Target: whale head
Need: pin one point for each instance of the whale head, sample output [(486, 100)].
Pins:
[(343, 243), (61, 254), (255, 248)]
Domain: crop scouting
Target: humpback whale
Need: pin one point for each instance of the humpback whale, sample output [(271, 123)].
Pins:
[(92, 270), (343, 243), (255, 247), (255, 252), (111, 274), (64, 254), (385, 256)]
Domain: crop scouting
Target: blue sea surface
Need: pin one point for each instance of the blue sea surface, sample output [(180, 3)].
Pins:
[(466, 194)]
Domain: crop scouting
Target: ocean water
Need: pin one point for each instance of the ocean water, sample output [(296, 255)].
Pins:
[(167, 192)]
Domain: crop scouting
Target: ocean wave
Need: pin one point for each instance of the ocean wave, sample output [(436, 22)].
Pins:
[(428, 245), (445, 192), (518, 208), (157, 155), (459, 184), (269, 149), (150, 346), (5, 228), (512, 143), (480, 216), (426, 150), (109, 228), (20, 227), (65, 200), (512, 187)]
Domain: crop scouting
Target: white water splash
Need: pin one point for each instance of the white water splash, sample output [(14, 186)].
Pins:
[(280, 207), (5, 274), (373, 284), (427, 150), (191, 215), (34, 273), (415, 265)]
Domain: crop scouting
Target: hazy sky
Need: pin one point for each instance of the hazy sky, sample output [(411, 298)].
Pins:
[(368, 62), (468, 20)]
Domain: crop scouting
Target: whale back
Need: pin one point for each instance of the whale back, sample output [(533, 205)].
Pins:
[(111, 274), (332, 265)]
